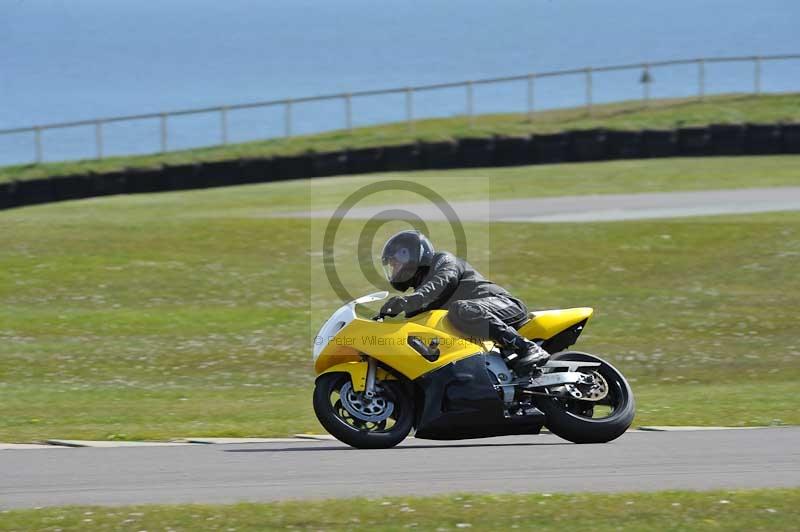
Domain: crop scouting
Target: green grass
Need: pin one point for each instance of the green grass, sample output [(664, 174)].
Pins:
[(191, 313), (773, 510), (668, 113)]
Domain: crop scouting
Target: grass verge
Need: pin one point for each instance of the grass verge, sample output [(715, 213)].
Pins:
[(776, 509), (631, 115), (191, 313)]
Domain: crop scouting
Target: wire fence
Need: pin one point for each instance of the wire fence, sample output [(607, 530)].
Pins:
[(408, 93)]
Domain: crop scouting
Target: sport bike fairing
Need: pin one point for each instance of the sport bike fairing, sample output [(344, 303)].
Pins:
[(345, 336), (343, 316), (459, 401), (545, 324)]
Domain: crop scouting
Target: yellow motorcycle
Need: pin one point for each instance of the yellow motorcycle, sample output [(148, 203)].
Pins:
[(378, 379)]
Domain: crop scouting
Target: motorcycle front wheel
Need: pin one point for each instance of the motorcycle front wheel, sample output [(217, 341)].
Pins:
[(379, 422), (582, 421)]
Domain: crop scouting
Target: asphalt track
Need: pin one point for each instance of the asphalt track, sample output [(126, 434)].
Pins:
[(638, 461), (589, 208)]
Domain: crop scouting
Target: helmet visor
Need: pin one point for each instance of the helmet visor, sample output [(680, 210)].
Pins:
[(391, 269), (395, 265)]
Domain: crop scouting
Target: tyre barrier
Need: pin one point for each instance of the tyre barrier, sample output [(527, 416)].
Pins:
[(727, 139), (180, 176), (143, 180), (217, 174), (791, 138), (292, 167), (365, 161), (587, 145), (256, 170), (764, 139), (328, 164), (34, 192), (624, 144), (402, 157), (694, 141), (113, 183), (512, 151), (7, 194), (549, 149), (72, 187), (476, 152), (659, 143), (439, 155)]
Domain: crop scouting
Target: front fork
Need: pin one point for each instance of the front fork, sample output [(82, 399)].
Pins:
[(369, 386)]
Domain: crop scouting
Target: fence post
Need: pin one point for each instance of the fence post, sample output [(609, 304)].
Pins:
[(646, 80), (164, 138), (223, 124), (287, 119), (589, 91), (410, 109), (37, 144), (701, 78), (470, 104), (531, 100), (757, 75), (348, 111), (98, 138)]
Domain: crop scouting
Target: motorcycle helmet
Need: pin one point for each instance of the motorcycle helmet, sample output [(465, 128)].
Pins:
[(403, 256)]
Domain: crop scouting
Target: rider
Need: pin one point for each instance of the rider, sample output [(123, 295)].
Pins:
[(476, 306)]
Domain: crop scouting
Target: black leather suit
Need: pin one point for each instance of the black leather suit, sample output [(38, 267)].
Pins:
[(477, 306)]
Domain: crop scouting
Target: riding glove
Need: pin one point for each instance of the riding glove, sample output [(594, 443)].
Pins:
[(394, 306)]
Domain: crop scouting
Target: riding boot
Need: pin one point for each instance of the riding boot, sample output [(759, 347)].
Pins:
[(525, 355)]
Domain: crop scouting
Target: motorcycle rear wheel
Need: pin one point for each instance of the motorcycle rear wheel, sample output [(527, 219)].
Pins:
[(572, 419), (349, 429)]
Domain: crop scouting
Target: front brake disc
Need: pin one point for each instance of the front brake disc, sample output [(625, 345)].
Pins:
[(359, 406)]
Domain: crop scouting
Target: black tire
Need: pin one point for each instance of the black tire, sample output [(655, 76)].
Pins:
[(403, 415), (576, 428)]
